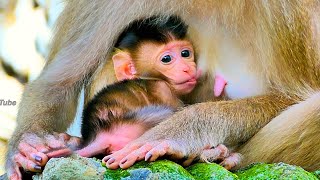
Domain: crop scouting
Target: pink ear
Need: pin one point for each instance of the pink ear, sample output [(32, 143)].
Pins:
[(219, 85), (123, 66)]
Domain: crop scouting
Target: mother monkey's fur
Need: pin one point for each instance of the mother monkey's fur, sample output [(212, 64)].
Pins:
[(276, 43)]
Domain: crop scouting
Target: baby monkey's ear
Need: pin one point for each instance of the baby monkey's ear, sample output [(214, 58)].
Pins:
[(123, 65)]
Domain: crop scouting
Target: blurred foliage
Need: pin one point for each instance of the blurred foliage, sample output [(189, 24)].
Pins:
[(25, 33)]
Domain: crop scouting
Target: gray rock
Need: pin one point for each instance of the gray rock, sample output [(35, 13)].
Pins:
[(73, 167)]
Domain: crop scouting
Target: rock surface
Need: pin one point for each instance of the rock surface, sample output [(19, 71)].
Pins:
[(162, 169), (210, 171), (76, 167), (317, 173), (274, 171)]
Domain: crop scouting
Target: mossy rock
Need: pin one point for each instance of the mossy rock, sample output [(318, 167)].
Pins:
[(317, 173), (161, 170), (76, 167), (210, 171), (73, 167), (277, 171)]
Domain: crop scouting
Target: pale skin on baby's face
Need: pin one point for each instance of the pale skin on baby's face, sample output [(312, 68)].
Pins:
[(175, 61)]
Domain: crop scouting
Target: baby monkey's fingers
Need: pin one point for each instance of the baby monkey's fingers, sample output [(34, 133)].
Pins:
[(61, 144), (166, 147), (112, 161), (136, 155), (221, 153), (213, 154), (233, 160)]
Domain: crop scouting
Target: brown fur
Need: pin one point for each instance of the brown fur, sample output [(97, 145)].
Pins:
[(295, 144), (280, 39), (116, 104)]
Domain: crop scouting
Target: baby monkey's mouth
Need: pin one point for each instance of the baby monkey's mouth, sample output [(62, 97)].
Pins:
[(186, 85), (192, 80)]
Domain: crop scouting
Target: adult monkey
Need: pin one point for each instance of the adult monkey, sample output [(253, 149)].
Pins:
[(273, 45)]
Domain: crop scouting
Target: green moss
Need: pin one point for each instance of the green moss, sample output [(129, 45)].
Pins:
[(210, 171), (115, 174), (317, 173), (76, 167), (274, 171), (162, 170)]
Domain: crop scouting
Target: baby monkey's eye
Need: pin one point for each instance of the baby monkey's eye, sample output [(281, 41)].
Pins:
[(166, 59), (185, 53)]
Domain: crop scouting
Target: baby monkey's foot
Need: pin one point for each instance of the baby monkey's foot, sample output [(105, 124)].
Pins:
[(221, 153)]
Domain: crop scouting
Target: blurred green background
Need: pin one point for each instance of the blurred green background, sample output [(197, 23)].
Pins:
[(25, 34)]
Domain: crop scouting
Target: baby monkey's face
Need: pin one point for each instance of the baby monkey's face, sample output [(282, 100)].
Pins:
[(175, 62)]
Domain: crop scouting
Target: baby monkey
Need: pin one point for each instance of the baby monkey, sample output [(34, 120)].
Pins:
[(154, 62)]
